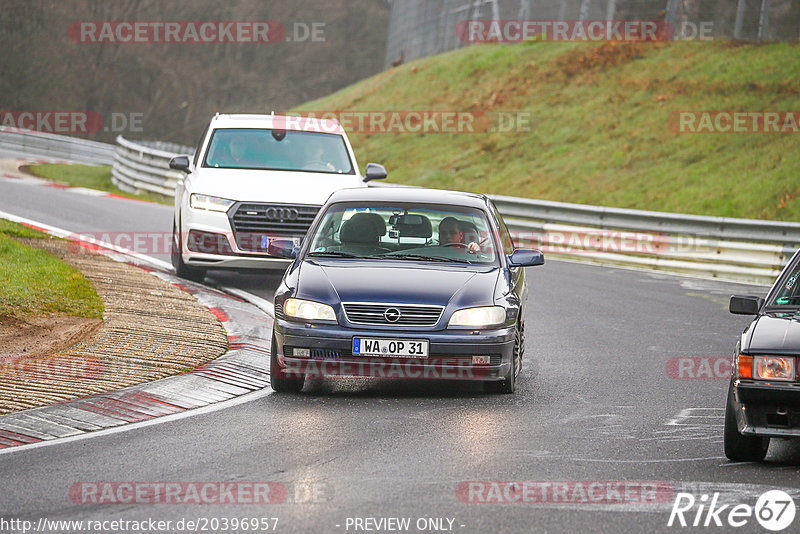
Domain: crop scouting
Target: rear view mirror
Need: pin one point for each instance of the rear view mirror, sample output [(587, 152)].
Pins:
[(526, 258), (375, 171), (745, 305), (180, 163), (283, 248)]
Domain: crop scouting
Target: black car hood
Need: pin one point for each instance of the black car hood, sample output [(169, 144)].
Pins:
[(775, 334), (397, 283)]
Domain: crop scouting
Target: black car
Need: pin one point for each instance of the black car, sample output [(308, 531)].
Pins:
[(764, 394), (402, 283)]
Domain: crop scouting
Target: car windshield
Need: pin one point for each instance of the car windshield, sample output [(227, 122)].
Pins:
[(405, 232), (788, 292), (255, 148)]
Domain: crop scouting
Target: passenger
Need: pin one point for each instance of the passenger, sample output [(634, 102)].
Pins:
[(448, 229)]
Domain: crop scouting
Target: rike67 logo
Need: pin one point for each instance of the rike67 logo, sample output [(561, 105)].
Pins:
[(774, 510)]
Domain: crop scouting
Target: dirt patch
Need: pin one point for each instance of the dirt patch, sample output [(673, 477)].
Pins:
[(13, 168), (43, 335), (601, 57), (150, 330)]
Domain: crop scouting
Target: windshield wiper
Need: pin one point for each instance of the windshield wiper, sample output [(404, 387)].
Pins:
[(426, 258), (332, 254)]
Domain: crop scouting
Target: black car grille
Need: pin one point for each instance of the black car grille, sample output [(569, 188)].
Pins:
[(251, 222), (377, 314)]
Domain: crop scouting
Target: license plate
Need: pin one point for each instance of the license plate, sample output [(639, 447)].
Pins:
[(403, 348), (266, 240)]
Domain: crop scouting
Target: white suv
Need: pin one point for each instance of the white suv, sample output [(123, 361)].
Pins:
[(254, 179)]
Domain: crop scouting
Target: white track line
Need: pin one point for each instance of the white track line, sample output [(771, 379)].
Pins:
[(213, 407)]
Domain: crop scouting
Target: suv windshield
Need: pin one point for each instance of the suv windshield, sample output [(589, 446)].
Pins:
[(405, 232), (286, 150)]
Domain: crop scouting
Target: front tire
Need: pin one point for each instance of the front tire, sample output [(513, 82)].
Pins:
[(277, 379), (739, 448), (181, 269), (509, 383)]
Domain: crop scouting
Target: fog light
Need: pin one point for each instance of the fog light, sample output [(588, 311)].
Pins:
[(208, 243), (480, 360)]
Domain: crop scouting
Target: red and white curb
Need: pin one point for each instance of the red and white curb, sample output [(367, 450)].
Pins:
[(242, 370)]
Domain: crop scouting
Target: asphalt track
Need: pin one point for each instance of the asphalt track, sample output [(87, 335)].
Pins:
[(599, 400)]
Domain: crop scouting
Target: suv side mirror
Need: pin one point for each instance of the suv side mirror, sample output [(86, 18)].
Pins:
[(526, 258), (745, 305), (180, 163), (283, 248), (375, 171)]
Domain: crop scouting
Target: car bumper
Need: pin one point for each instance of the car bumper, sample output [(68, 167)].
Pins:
[(218, 223), (767, 409), (449, 353)]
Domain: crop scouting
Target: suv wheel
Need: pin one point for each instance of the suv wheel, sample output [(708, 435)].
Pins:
[(181, 269)]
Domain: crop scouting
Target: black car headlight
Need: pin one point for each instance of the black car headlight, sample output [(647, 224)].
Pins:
[(308, 310), (773, 368), (481, 317)]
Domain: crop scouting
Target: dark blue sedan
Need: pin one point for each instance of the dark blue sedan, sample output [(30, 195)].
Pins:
[(402, 283)]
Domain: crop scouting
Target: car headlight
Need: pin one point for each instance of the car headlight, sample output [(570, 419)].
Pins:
[(479, 317), (207, 202), (773, 367), (308, 310)]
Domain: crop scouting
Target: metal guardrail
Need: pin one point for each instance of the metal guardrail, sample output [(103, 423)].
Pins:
[(143, 166), (728, 248), (56, 146), (737, 249)]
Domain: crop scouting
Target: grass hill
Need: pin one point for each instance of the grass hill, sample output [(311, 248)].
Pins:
[(600, 124)]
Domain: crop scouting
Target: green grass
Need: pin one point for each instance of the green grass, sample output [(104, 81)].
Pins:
[(33, 281), (600, 132), (89, 176)]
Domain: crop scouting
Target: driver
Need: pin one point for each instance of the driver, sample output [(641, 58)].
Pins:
[(315, 157), (237, 148), (455, 231)]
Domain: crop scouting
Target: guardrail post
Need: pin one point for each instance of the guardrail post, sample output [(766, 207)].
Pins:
[(585, 7), (763, 20), (611, 9), (737, 30)]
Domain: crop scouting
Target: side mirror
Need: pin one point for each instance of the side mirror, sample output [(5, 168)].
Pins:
[(283, 248), (180, 163), (745, 305), (526, 258), (375, 171)]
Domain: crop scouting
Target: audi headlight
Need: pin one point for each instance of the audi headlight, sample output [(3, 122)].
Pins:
[(479, 317), (308, 310), (207, 202), (773, 367)]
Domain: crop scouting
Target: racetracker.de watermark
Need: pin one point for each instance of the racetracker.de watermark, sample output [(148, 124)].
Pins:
[(194, 32), (438, 368), (734, 122), (70, 122), (699, 368), (87, 493), (566, 492), (517, 30), (553, 241), (51, 367), (406, 121)]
